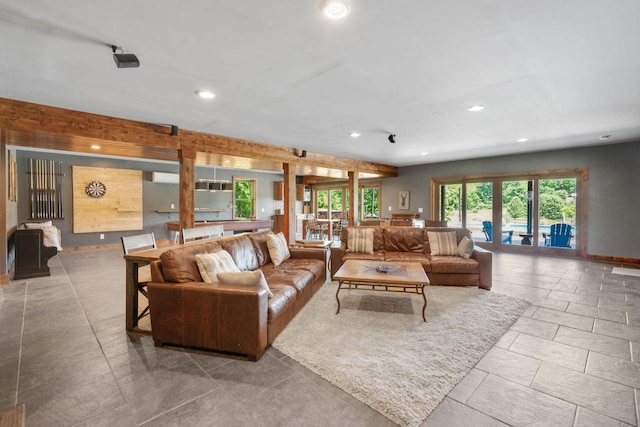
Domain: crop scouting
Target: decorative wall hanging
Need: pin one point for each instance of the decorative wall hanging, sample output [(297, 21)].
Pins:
[(45, 189), (95, 189), (13, 178), (403, 200)]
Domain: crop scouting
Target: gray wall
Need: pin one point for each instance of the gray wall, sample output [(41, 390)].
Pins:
[(156, 196), (613, 196)]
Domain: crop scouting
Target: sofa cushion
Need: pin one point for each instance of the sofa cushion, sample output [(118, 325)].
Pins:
[(245, 278), (360, 239), (443, 243), (454, 264), (259, 241), (314, 266), (422, 258), (299, 279), (465, 247), (209, 265), (284, 296), (376, 256), (403, 239), (242, 252), (179, 265)]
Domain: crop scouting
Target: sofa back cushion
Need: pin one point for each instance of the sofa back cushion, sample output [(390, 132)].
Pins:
[(179, 265), (460, 233), (259, 241), (242, 251), (377, 236), (403, 239)]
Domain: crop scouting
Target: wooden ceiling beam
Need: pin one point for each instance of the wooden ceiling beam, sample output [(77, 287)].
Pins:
[(58, 128)]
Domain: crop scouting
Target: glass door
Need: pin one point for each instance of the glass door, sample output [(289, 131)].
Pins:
[(478, 210), (557, 214), (517, 225)]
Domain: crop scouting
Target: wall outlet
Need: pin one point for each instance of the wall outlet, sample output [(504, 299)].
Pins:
[(101, 236), (420, 210), (262, 209), (173, 206)]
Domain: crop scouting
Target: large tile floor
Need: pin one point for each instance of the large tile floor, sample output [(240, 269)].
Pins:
[(572, 359)]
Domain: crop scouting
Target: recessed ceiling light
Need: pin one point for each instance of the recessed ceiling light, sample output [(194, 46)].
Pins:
[(605, 137), (95, 146), (354, 134), (335, 9), (424, 153), (206, 94), (476, 108), (522, 140)]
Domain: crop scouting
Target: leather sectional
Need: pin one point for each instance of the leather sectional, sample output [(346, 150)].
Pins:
[(188, 312)]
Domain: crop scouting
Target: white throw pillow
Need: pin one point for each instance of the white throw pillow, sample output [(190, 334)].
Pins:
[(211, 264), (465, 247), (278, 248), (51, 237), (245, 278), (35, 225), (360, 240), (443, 242)]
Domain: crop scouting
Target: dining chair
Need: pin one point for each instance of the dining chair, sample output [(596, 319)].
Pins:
[(139, 243), (202, 233)]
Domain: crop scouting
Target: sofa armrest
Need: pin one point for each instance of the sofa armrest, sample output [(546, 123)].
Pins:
[(337, 252), (485, 259), (308, 253), (211, 316)]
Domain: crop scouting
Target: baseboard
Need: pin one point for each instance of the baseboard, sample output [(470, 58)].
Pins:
[(613, 259)]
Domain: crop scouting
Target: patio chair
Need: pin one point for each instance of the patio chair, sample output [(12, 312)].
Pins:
[(559, 236), (315, 230), (139, 243), (487, 228)]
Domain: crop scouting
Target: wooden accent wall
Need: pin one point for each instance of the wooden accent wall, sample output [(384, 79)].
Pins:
[(118, 210)]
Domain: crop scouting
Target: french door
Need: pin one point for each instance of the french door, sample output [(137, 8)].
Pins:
[(537, 213)]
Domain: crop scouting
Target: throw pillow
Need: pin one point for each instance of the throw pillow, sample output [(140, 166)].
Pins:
[(360, 240), (211, 264), (443, 242), (34, 225), (278, 248), (51, 237), (465, 247), (245, 278)]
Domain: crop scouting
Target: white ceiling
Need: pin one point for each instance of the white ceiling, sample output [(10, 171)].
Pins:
[(559, 72)]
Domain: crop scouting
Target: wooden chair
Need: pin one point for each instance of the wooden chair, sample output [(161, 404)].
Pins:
[(202, 233), (315, 230), (139, 243), (337, 231), (559, 236)]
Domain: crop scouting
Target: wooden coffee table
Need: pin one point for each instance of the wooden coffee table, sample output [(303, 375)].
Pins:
[(359, 274)]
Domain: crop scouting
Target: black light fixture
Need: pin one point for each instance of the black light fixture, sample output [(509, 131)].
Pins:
[(392, 138), (124, 60), (174, 130), (303, 154)]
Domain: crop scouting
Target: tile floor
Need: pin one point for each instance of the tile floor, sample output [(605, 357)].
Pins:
[(572, 359)]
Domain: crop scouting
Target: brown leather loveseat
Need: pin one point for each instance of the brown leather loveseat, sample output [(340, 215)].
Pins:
[(412, 244), (186, 311)]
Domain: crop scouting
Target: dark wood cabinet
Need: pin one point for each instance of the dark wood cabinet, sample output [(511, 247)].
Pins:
[(402, 219), (278, 190), (31, 254), (278, 223)]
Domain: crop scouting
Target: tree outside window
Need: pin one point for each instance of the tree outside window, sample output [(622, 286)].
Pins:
[(244, 190)]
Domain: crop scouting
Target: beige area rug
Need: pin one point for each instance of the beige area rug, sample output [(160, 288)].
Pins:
[(380, 351)]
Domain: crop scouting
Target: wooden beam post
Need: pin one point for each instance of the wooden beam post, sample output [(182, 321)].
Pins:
[(187, 158), (289, 202), (354, 199)]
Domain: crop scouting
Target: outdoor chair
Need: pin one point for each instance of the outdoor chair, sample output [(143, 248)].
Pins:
[(139, 243), (487, 228), (559, 236), (315, 230), (202, 233)]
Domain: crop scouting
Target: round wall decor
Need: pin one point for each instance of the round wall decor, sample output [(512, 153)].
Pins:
[(95, 189)]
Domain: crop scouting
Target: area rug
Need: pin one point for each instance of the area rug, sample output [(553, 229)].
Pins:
[(380, 351)]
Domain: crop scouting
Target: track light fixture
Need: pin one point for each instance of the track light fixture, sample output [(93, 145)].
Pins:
[(124, 60), (392, 138), (174, 130), (303, 154)]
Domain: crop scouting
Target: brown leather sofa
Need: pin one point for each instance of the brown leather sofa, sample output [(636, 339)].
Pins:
[(188, 312), (412, 244)]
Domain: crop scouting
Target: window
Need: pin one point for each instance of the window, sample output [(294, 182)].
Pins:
[(538, 212), (244, 198), (370, 201)]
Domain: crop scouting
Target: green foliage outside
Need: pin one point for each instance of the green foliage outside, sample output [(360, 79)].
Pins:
[(557, 197), (370, 203), (243, 199)]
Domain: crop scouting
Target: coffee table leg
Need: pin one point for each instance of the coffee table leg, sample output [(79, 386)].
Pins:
[(338, 299), (424, 307)]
